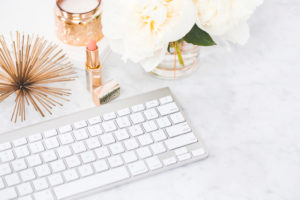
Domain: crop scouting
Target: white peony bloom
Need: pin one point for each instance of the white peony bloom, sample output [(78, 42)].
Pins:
[(140, 30), (226, 19)]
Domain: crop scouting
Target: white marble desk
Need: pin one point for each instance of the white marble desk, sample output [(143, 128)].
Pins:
[(245, 103)]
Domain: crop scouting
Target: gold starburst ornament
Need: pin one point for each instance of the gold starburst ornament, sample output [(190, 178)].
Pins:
[(29, 67)]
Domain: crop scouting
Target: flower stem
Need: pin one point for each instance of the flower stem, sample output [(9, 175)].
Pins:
[(178, 52)]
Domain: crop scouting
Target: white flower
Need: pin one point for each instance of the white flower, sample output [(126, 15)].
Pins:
[(226, 19), (140, 30)]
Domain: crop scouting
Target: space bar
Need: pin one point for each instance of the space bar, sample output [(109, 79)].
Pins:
[(91, 182)]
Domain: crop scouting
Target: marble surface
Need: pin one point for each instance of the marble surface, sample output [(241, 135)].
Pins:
[(245, 103)]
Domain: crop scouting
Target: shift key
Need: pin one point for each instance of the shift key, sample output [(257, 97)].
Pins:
[(178, 129), (181, 141), (167, 109)]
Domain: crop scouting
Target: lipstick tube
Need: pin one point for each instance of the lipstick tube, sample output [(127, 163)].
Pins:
[(93, 67)]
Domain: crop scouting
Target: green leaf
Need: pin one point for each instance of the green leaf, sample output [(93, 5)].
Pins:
[(198, 37), (170, 45)]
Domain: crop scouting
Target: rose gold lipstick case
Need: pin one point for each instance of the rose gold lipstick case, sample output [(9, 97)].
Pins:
[(93, 69)]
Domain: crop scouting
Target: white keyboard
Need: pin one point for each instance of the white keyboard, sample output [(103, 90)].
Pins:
[(102, 147)]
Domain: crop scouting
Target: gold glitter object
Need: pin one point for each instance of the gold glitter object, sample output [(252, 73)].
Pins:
[(78, 28), (28, 69)]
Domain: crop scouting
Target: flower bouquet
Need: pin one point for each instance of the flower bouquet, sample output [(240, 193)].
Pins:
[(148, 31)]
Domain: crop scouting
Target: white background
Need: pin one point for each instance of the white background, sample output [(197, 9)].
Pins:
[(245, 103)]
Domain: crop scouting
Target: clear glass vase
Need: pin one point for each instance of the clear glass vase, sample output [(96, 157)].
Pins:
[(172, 67)]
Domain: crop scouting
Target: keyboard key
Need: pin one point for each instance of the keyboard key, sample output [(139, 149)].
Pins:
[(116, 148), (51, 143), (91, 182), (95, 130), (136, 130), (159, 135), (124, 112), (8, 193), (12, 179), (55, 179), (80, 134), (144, 152), (184, 157), (27, 175), (35, 137), (109, 126), (21, 151), (80, 124), (1, 183), (178, 129), (151, 104), (6, 156), (102, 152), (109, 116), (151, 114), (24, 189), (137, 118), (85, 170), (131, 144), (64, 151), (66, 138), (40, 184), (158, 148), (121, 134), (198, 152), (42, 170), (107, 138), (100, 165), (20, 142), (180, 151), (181, 141), (34, 160), (92, 143), (25, 198), (149, 126), (36, 147), (5, 146), (177, 118), (95, 120), (137, 108), (57, 166), (145, 139), (137, 168), (163, 122), (19, 165), (123, 122), (129, 156), (78, 147), (65, 129), (70, 175), (49, 156), (154, 163), (166, 99), (88, 156), (45, 195), (115, 161), (5, 169), (50, 133), (169, 161), (167, 109), (73, 161)]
